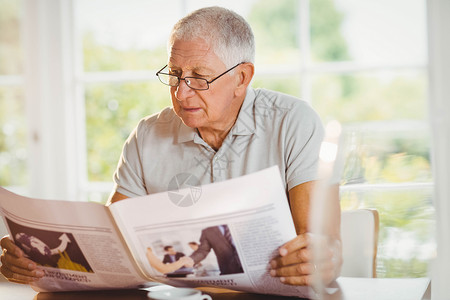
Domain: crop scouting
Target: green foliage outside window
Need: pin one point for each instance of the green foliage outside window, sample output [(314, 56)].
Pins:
[(10, 43), (13, 138), (104, 58), (13, 151), (112, 111)]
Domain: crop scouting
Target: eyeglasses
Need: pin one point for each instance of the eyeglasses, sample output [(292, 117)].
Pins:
[(194, 83)]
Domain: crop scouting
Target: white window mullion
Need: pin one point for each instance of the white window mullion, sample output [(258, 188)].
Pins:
[(305, 50), (11, 80), (80, 107), (48, 82), (81, 157), (118, 76), (351, 67)]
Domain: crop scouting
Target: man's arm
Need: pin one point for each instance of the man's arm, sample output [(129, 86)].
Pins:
[(114, 197), (295, 264), (166, 259), (299, 201), (203, 249)]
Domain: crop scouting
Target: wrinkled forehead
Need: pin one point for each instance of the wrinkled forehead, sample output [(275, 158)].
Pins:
[(192, 53)]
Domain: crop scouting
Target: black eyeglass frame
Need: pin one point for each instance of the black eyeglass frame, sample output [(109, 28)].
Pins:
[(191, 77)]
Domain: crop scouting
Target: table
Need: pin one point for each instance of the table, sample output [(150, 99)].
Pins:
[(345, 289)]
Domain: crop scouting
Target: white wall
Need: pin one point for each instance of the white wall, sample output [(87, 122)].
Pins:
[(439, 86)]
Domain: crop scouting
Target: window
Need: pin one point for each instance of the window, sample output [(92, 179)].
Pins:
[(343, 56), (374, 83), (363, 63), (13, 130)]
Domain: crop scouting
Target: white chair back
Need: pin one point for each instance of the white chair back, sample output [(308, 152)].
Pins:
[(359, 233)]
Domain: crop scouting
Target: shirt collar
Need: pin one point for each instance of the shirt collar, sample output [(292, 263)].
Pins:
[(185, 133), (246, 123)]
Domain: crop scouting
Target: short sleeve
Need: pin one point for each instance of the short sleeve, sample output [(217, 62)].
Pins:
[(304, 136), (129, 177)]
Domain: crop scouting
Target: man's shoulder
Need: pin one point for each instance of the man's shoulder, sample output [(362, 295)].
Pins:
[(163, 120), (159, 125), (166, 115), (278, 99), (282, 104)]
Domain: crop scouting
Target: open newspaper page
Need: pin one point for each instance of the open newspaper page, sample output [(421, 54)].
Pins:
[(76, 243), (230, 229)]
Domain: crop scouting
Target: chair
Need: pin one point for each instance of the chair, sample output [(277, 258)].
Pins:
[(359, 233)]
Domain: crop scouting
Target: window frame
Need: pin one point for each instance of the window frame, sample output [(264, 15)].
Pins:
[(56, 116), (42, 18)]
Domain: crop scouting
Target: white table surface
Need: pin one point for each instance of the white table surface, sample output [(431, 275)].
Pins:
[(346, 289)]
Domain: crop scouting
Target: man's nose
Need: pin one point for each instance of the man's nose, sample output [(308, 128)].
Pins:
[(183, 91)]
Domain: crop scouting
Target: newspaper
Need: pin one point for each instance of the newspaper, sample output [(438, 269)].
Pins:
[(237, 224)]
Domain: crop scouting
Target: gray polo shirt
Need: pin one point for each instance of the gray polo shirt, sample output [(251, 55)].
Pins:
[(271, 129)]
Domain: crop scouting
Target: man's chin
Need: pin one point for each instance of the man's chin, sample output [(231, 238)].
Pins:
[(191, 122)]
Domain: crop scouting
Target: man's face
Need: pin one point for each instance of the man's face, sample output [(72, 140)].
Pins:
[(215, 108), (171, 251)]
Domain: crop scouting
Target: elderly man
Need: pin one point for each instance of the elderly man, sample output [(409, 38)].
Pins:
[(219, 128)]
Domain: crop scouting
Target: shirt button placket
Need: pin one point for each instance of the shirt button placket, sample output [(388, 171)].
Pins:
[(216, 167)]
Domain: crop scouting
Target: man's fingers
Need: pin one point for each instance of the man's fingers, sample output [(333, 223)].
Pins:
[(299, 242), (17, 278), (21, 263), (304, 259), (303, 240), (298, 280), (8, 245), (294, 270), (308, 248), (25, 271), (305, 273), (18, 268), (301, 256), (296, 257)]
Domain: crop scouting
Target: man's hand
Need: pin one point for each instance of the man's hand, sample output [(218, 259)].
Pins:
[(15, 266), (187, 261), (307, 258)]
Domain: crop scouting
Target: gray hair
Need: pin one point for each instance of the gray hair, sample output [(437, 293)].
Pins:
[(229, 34)]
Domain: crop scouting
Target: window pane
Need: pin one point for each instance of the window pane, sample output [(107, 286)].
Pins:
[(275, 25), (406, 244), (369, 96), (13, 139), (132, 35), (112, 111), (10, 43), (326, 32), (99, 197), (387, 152), (387, 166), (276, 28), (285, 84), (385, 31)]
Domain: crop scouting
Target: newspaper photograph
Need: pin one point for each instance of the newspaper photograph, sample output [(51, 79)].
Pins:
[(76, 244)]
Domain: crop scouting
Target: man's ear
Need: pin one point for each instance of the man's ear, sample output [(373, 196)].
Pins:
[(245, 75)]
